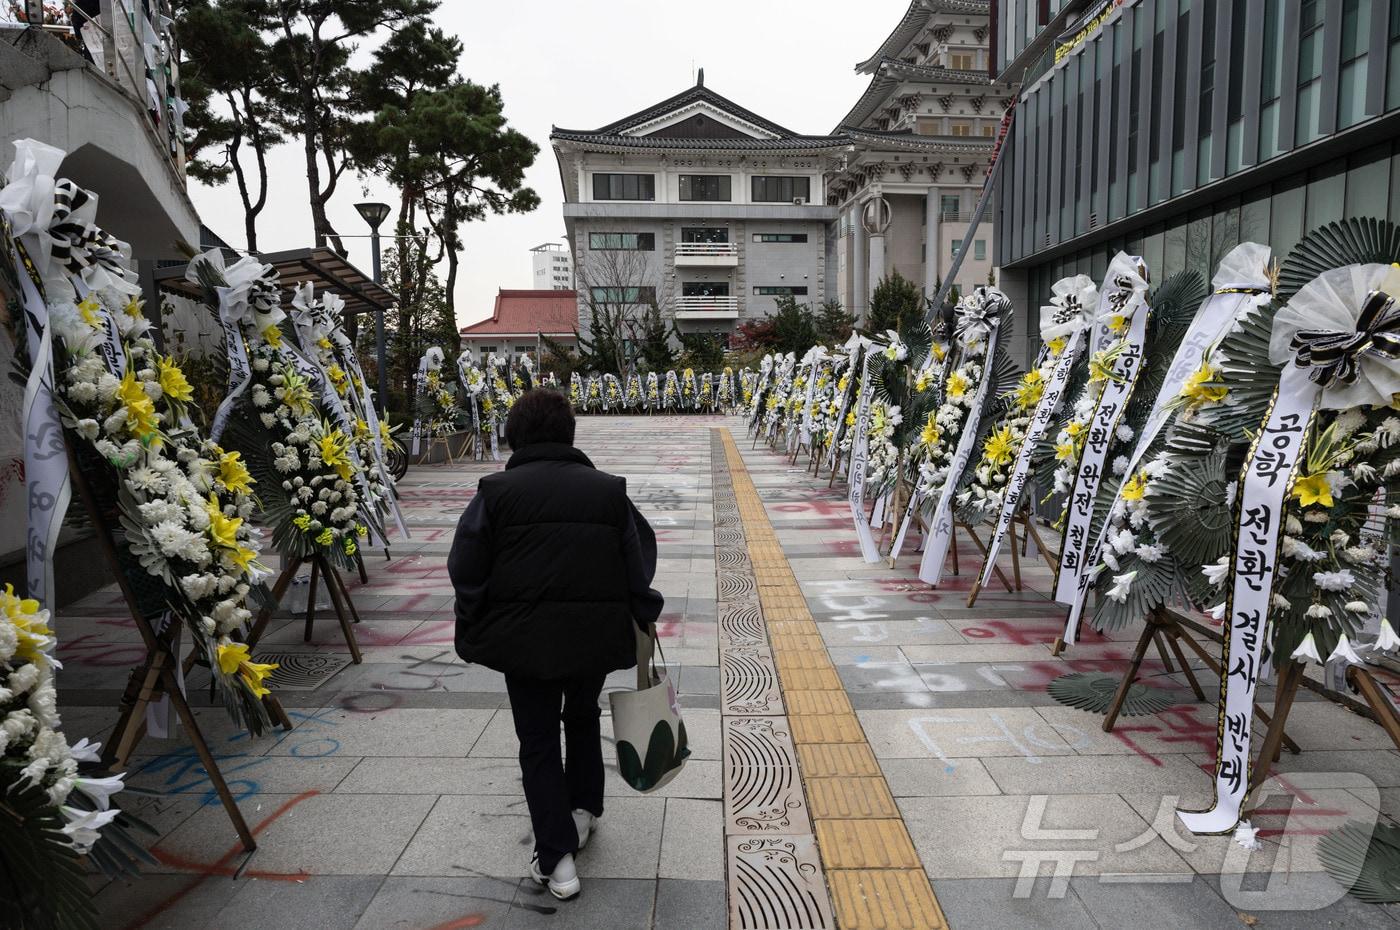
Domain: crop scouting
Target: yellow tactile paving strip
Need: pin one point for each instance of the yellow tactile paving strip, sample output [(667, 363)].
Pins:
[(872, 870)]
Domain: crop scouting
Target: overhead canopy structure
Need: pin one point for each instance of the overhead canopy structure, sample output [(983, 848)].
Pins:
[(327, 269)]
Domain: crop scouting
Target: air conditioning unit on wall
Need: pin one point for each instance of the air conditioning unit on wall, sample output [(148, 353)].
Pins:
[(799, 201)]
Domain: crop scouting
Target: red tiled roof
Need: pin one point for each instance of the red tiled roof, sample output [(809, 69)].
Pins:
[(517, 313)]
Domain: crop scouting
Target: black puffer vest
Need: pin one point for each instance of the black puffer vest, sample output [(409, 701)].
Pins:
[(557, 598)]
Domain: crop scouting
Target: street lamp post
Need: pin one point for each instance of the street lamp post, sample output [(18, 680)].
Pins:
[(374, 214)]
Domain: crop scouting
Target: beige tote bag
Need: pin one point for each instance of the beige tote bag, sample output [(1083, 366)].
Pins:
[(647, 727)]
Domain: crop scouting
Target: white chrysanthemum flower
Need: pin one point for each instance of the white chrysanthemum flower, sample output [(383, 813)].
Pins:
[(1120, 465), (1318, 612), (1150, 552), (1124, 432), (1334, 581)]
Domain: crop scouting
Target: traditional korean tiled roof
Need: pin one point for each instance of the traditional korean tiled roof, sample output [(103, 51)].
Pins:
[(909, 27), (905, 138), (624, 133), (891, 72), (520, 313)]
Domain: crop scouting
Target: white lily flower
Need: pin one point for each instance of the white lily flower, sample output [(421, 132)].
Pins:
[(83, 826), (1122, 584), (1387, 641), (99, 789), (1345, 652), (1307, 649)]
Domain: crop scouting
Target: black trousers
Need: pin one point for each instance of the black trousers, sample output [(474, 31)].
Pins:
[(554, 789)]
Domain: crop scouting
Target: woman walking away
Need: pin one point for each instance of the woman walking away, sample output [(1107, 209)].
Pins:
[(552, 566)]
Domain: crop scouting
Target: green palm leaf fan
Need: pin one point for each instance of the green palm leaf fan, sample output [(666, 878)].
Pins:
[(1365, 862), (1346, 242)]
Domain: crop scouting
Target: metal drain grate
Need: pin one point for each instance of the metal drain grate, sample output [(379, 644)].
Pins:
[(742, 625), (762, 792), (735, 585), (731, 557), (749, 681), (302, 671), (775, 883)]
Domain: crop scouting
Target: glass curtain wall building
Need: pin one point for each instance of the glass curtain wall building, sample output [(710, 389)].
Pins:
[(1175, 129)]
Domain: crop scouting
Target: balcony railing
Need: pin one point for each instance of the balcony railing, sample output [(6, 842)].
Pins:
[(707, 308), (713, 254)]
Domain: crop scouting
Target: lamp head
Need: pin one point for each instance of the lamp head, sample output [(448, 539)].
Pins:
[(373, 213)]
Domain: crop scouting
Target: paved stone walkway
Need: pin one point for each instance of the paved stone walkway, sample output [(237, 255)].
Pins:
[(395, 800)]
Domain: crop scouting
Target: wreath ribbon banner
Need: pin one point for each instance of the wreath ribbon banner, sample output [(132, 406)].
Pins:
[(1041, 419), (1127, 366), (1212, 321), (1267, 478), (941, 534), (859, 454)]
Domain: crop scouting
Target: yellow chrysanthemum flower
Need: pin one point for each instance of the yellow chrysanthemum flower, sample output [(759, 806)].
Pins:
[(1057, 345), (1064, 451), (958, 384), (233, 658), (323, 343), (930, 434), (939, 352), (30, 625), (296, 394), (1000, 447), (1312, 489), (273, 336), (335, 452), (233, 474), (339, 380), (326, 538), (302, 522), (1075, 429), (924, 381), (1100, 368), (172, 380), (133, 308), (1198, 387), (1030, 390), (1134, 487), (91, 312), (141, 418), (222, 530), (243, 557), (1118, 323)]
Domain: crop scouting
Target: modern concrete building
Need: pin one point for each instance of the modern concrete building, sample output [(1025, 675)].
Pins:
[(551, 267), (1175, 129), (921, 137), (519, 318), (698, 206)]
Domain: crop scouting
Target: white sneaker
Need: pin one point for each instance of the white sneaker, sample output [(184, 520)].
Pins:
[(585, 822), (563, 882)]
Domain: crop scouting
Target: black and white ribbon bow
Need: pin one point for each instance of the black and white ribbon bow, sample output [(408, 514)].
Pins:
[(1335, 356), (77, 244)]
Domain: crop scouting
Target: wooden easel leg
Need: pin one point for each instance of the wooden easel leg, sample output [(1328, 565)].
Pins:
[(311, 600), (1162, 652), (982, 548), (1175, 642), (279, 590), (1214, 666), (1362, 680), (1015, 557), (341, 613), (1121, 695), (954, 536), (976, 590), (344, 592), (211, 767), (1289, 677), (360, 564), (131, 722)]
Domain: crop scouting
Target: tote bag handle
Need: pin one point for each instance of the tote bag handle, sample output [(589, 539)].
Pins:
[(648, 647)]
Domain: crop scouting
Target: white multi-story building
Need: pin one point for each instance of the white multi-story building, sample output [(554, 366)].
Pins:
[(552, 267), (922, 138)]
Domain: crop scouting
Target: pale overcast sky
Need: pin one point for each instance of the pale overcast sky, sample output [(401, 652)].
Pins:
[(584, 64)]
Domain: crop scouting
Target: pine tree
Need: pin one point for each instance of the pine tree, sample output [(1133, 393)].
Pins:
[(896, 304)]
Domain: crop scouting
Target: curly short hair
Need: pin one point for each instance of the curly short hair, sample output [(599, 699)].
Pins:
[(540, 415)]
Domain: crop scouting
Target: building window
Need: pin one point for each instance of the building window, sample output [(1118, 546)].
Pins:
[(989, 130), (622, 242), (780, 290), (485, 349), (781, 189), (705, 289), (979, 250), (615, 294), (705, 187), (960, 61), (957, 247), (705, 234), (948, 206), (779, 237), (624, 187), (960, 127)]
